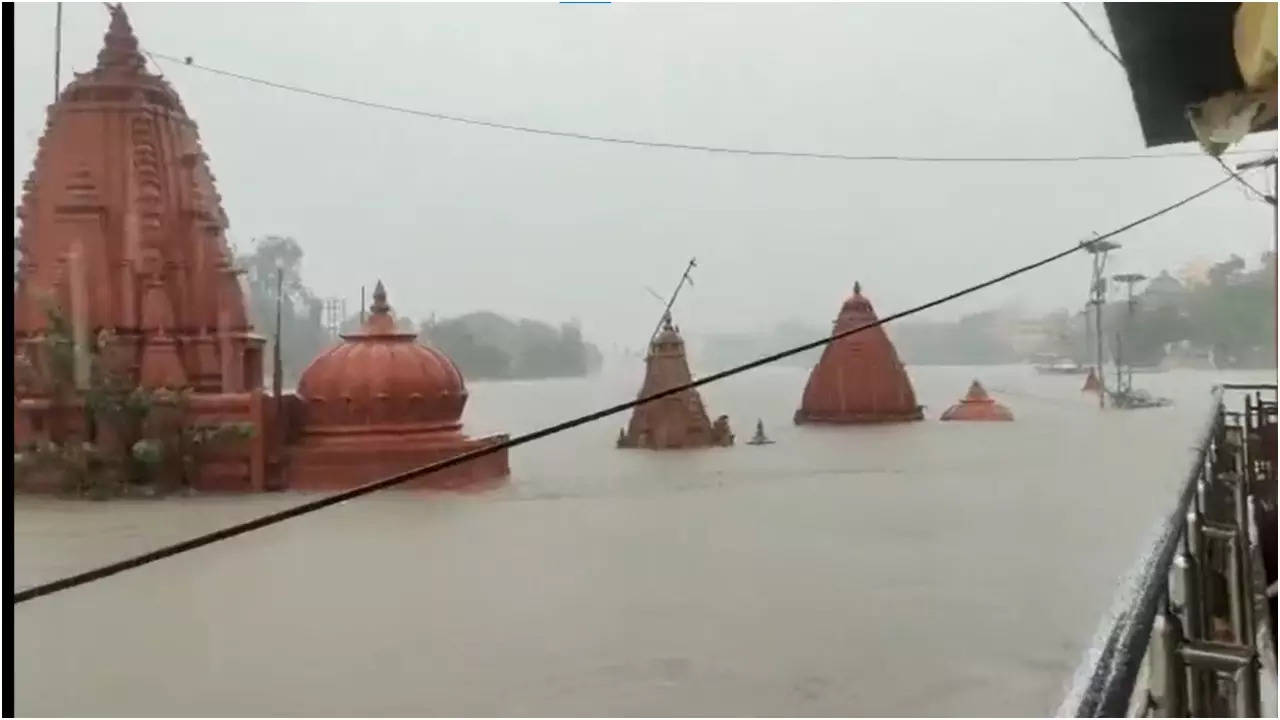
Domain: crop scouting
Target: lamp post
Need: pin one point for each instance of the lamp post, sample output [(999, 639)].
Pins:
[(1097, 298)]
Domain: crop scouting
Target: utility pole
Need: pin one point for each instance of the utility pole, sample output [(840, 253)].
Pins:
[(1129, 279), (57, 54), (277, 363), (1098, 298), (1269, 198), (693, 263), (335, 313)]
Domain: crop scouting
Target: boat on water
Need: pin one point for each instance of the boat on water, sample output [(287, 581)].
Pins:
[(1053, 365), (759, 438)]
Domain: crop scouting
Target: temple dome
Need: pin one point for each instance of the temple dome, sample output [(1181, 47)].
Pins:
[(380, 377)]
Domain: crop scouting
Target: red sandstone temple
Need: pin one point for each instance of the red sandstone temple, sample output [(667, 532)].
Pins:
[(977, 405), (1091, 383), (380, 403), (859, 378), (675, 421), (123, 231)]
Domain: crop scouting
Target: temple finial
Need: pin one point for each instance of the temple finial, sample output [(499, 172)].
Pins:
[(857, 287), (119, 45), (666, 320), (379, 306)]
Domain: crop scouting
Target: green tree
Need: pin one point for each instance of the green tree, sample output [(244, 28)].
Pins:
[(303, 334)]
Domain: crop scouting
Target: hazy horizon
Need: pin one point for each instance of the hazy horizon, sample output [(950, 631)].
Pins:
[(456, 218)]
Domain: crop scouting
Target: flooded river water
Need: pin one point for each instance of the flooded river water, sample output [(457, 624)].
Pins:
[(923, 569)]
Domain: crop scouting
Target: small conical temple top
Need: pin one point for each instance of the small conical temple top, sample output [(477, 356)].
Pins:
[(120, 46), (977, 405), (1091, 383), (859, 378), (675, 421), (380, 323)]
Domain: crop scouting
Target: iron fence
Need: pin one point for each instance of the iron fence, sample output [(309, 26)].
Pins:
[(1200, 632)]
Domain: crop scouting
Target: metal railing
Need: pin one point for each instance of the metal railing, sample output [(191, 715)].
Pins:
[(1200, 632)]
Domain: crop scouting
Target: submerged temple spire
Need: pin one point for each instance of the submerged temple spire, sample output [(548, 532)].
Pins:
[(859, 378), (675, 421)]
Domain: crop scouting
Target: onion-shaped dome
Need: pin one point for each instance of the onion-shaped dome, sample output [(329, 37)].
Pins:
[(380, 377)]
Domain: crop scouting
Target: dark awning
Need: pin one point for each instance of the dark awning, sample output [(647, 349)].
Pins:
[(1176, 54)]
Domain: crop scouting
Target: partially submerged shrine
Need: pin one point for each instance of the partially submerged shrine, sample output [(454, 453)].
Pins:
[(1091, 383), (380, 403), (676, 421), (859, 378), (124, 250), (977, 405)]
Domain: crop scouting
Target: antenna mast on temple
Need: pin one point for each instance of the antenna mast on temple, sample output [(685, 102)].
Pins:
[(693, 263)]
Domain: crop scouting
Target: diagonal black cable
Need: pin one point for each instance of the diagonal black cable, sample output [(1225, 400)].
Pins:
[(1094, 34), (314, 505), (1264, 197), (188, 62)]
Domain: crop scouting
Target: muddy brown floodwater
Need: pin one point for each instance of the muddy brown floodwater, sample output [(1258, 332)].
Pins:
[(923, 569)]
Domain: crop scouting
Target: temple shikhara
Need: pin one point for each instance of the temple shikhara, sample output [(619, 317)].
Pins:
[(124, 235), (678, 420), (977, 405), (859, 378)]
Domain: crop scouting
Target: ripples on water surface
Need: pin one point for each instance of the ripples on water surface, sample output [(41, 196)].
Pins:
[(923, 569)]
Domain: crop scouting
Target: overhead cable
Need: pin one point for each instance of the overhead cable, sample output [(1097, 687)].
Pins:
[(188, 62), (1269, 199), (1093, 34), (312, 506)]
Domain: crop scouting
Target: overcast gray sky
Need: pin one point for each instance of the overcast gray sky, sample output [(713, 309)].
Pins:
[(456, 218)]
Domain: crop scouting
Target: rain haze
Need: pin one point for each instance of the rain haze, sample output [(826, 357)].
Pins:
[(456, 218), (805, 539)]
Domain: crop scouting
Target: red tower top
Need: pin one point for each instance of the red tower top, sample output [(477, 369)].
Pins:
[(120, 181), (380, 378), (859, 378)]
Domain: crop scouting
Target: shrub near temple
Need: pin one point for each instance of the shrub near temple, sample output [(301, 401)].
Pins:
[(112, 437)]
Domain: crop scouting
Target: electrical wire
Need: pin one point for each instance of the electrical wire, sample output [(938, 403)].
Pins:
[(1093, 34), (376, 485), (188, 62), (1269, 199)]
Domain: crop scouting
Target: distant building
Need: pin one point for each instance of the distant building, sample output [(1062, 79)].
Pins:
[(1163, 290)]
